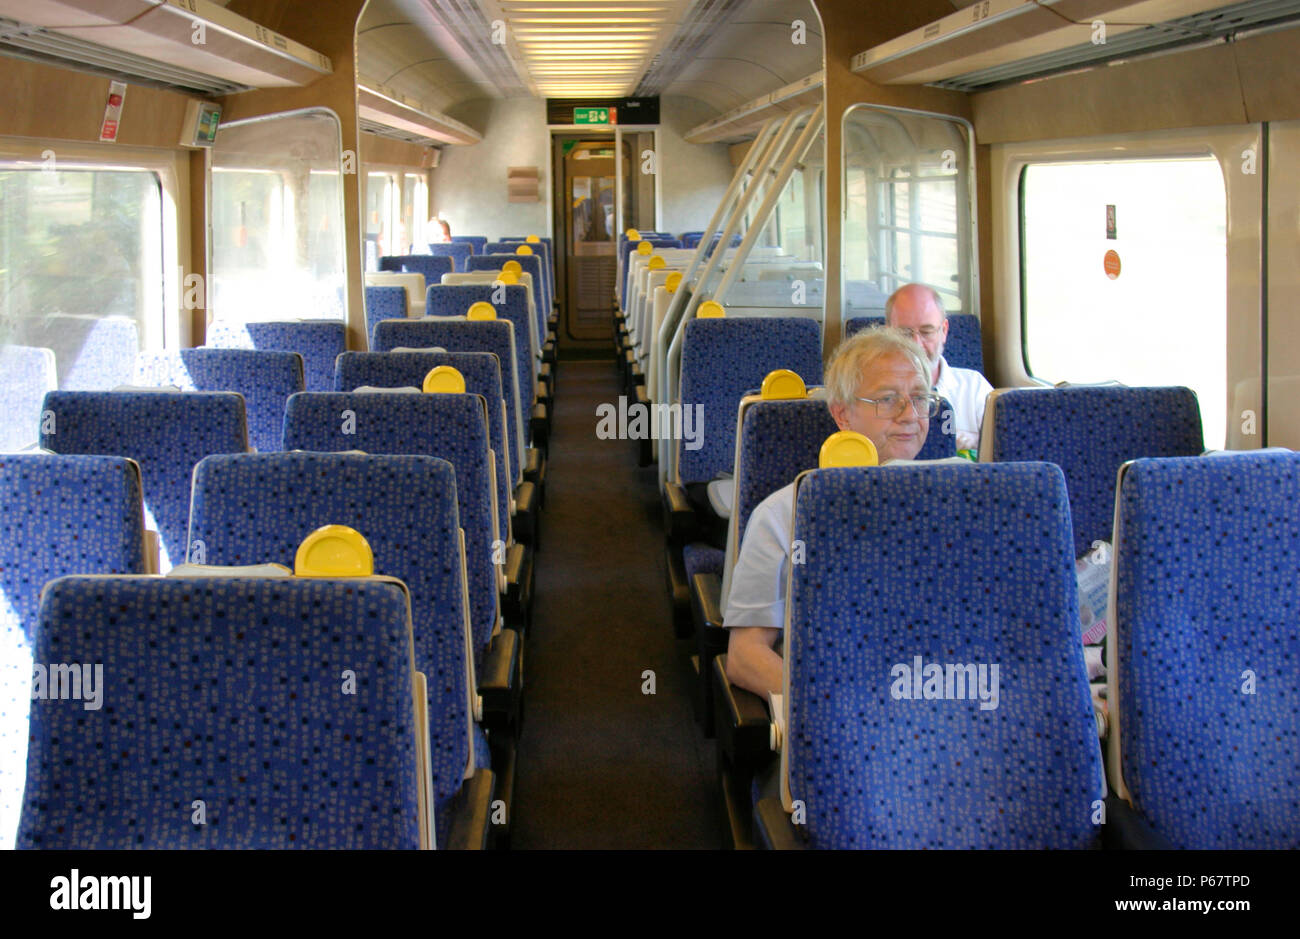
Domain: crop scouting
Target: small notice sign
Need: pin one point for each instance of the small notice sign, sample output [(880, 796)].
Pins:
[(593, 115), (1112, 264), (1110, 223), (112, 111)]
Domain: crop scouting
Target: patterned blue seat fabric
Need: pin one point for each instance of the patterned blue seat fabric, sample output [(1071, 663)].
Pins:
[(691, 239), (257, 508), (721, 359), (26, 373), (91, 353), (319, 342), (1089, 432), (482, 374), (458, 251), (382, 303), (886, 581), (963, 348), (530, 264), (449, 426), (265, 379), (63, 515), (166, 433), (702, 559), (456, 299), (547, 251), (477, 242), (458, 335), (225, 691), (1207, 598), (431, 266)]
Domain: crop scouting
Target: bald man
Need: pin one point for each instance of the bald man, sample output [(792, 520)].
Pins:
[(917, 309)]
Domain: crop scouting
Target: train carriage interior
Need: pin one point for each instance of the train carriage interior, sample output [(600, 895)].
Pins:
[(469, 424)]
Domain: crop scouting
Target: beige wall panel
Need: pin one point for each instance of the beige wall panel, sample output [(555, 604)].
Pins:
[(390, 152), (695, 176), (329, 28), (847, 32), (1284, 286)]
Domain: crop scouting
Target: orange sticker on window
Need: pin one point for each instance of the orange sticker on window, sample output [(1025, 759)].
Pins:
[(1112, 264)]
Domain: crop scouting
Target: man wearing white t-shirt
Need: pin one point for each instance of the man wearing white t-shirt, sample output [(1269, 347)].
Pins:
[(878, 384), (919, 310)]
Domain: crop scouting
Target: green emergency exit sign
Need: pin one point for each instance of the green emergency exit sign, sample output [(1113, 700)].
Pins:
[(592, 115)]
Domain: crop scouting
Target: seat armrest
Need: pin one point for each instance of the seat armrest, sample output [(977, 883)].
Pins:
[(773, 828), (680, 523), (706, 604), (500, 683), (1126, 830), (525, 522), (471, 812), (519, 582), (540, 425), (743, 724)]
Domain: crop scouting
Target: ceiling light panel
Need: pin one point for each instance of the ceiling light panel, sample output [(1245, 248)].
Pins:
[(597, 47)]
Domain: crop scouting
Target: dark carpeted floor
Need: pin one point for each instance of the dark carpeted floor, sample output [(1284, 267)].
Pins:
[(602, 765)]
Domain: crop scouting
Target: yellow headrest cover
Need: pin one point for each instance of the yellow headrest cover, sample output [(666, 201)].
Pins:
[(783, 383), (334, 551), (482, 310), (523, 249), (633, 234), (508, 277), (443, 379), (674, 281), (710, 309), (513, 266), (656, 263), (848, 448), (533, 240), (645, 247)]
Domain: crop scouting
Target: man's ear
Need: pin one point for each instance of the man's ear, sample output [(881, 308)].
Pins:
[(945, 328), (841, 415)]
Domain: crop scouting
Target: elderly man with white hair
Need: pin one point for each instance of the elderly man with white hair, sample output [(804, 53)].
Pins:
[(878, 384), (919, 310)]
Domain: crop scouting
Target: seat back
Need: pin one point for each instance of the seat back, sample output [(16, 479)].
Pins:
[(196, 716), (26, 373), (457, 334), (511, 303), (412, 284), (477, 242), (966, 570), (482, 373), (430, 265), (319, 342), (165, 432), (63, 515), (626, 248), (530, 264), (405, 506), (1204, 690), (91, 353), (1089, 432), (547, 250), (451, 427), (458, 251), (963, 348), (264, 379), (383, 303), (721, 360)]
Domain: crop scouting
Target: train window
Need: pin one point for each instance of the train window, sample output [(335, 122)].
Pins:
[(415, 212), (277, 218), (1121, 250), (907, 207)]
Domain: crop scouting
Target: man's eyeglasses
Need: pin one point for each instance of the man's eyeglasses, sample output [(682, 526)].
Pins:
[(925, 332), (891, 406)]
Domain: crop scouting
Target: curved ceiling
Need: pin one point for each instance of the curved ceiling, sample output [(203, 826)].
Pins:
[(442, 53)]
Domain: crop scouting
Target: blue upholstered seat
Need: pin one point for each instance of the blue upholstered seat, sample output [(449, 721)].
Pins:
[(963, 348), (382, 303), (951, 565), (165, 432), (547, 250), (511, 303), (63, 515), (460, 335), (450, 426), (1089, 432), (477, 242), (482, 373), (319, 342), (257, 508), (265, 380), (430, 265), (222, 701), (530, 264), (91, 353), (721, 360), (1205, 688), (26, 373), (458, 251)]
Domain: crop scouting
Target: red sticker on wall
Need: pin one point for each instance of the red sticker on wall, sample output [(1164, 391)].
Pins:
[(1112, 264)]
